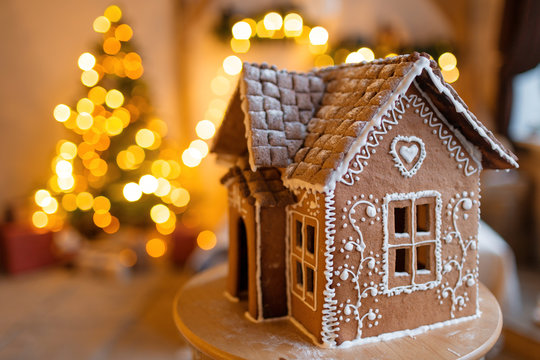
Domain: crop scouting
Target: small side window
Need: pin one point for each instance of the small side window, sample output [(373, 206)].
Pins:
[(309, 280), (298, 229), (400, 220), (299, 275), (310, 239)]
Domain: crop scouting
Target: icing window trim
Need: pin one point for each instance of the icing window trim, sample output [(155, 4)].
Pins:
[(392, 242), (303, 256)]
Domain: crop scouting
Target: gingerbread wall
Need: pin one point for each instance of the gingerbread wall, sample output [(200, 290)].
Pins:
[(306, 306), (406, 224)]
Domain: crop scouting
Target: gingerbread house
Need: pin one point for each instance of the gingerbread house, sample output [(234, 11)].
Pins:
[(354, 198)]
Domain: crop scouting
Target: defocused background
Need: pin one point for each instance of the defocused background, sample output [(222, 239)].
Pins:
[(110, 200)]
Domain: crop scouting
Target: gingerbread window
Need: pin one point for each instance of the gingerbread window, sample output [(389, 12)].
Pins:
[(304, 231), (412, 240)]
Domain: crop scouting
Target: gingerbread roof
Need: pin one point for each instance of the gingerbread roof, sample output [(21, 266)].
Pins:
[(277, 105), (355, 98), (263, 186)]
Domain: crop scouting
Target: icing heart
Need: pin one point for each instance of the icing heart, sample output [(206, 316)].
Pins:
[(409, 152)]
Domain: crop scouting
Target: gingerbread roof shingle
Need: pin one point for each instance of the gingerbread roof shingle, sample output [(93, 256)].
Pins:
[(263, 186)]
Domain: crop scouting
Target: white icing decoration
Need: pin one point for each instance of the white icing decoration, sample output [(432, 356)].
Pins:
[(370, 211), (408, 153), (458, 263)]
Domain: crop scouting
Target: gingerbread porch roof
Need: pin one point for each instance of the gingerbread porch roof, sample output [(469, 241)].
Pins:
[(354, 99), (263, 186)]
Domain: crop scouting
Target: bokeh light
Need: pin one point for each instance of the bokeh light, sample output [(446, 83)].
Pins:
[(61, 112), (206, 240), (232, 65), (148, 184), (156, 247), (101, 24), (160, 213), (40, 219), (114, 13), (114, 99), (273, 21), (86, 61), (318, 36), (447, 61), (145, 138), (205, 129), (191, 157), (132, 192), (293, 24), (85, 200), (241, 30)]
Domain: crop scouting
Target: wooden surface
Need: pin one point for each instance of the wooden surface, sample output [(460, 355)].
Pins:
[(57, 313), (217, 329)]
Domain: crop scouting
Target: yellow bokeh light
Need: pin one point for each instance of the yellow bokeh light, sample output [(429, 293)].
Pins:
[(158, 126), (180, 197), (145, 138), (89, 78), (137, 152), (51, 207), (68, 150), (148, 184), (114, 99), (318, 49), (451, 75), (262, 31), (113, 126), (97, 95), (160, 213), (240, 46), (61, 112), (324, 60), (232, 65), (220, 85), (206, 240), (101, 24), (101, 204), (132, 192), (156, 247), (123, 114), (175, 169), (447, 61), (354, 57), (161, 168), (85, 105), (191, 157), (86, 61), (84, 121), (102, 219), (293, 25), (367, 53), (111, 46), (85, 200), (113, 226), (40, 219), (123, 32), (273, 21), (63, 168), (201, 146), (98, 167), (163, 188), (66, 183), (42, 197), (241, 30), (113, 13), (125, 160), (205, 129), (318, 36), (389, 55), (127, 257), (69, 202)]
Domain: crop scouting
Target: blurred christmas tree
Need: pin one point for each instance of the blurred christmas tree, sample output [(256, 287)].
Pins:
[(117, 170)]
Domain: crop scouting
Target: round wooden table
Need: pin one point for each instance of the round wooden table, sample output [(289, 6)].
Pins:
[(216, 328)]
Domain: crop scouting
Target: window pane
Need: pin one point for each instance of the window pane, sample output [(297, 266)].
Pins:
[(422, 218), (423, 257), (402, 260), (309, 280), (298, 234), (400, 220), (310, 239), (299, 275)]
